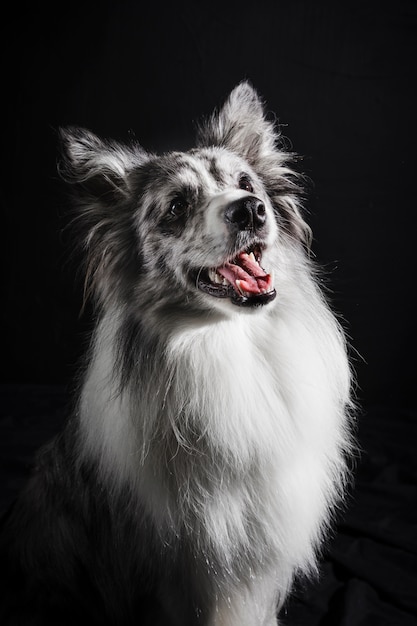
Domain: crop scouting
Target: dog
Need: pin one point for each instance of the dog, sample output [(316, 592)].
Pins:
[(208, 449)]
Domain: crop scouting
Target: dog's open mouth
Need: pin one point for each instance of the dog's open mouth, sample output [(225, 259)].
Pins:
[(241, 279)]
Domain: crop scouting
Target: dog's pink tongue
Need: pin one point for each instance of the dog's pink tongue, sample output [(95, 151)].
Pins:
[(246, 275)]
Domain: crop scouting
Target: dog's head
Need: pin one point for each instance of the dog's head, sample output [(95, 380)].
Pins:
[(187, 230)]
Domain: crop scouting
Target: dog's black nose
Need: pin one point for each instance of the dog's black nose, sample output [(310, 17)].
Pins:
[(246, 213)]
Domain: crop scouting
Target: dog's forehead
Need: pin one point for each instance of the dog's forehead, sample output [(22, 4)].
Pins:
[(193, 171), (201, 168)]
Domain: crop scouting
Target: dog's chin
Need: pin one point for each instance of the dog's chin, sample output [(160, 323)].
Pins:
[(240, 279)]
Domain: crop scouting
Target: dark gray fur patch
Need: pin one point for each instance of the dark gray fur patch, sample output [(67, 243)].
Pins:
[(134, 347)]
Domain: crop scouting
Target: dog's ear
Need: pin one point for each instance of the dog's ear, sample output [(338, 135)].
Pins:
[(240, 125), (98, 169), (100, 175)]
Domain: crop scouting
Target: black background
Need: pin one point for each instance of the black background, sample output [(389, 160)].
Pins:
[(341, 78)]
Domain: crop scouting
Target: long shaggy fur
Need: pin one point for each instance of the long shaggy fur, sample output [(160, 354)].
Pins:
[(199, 472)]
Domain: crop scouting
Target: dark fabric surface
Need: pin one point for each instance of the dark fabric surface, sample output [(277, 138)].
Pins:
[(368, 573)]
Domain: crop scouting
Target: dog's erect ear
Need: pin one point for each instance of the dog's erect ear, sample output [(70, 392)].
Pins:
[(98, 169), (240, 125)]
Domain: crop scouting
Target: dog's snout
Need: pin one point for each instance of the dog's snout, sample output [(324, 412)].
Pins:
[(246, 213)]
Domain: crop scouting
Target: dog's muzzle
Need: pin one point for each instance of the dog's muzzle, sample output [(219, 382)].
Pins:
[(242, 277)]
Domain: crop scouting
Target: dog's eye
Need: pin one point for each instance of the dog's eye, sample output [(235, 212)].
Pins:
[(244, 183), (178, 207)]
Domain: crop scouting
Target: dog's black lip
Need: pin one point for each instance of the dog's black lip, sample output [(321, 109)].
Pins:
[(219, 291), (253, 301)]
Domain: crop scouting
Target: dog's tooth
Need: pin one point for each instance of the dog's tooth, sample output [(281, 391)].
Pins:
[(239, 286), (213, 275), (217, 278), (252, 257)]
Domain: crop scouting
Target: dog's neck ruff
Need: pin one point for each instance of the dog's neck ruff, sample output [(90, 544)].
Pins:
[(196, 423)]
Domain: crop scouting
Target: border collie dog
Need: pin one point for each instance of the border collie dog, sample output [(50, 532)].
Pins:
[(208, 448)]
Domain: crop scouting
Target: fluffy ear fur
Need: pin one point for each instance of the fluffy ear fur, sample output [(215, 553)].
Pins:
[(241, 126), (98, 169), (100, 175)]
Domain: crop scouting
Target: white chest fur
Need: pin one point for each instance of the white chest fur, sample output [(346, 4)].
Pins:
[(239, 436)]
